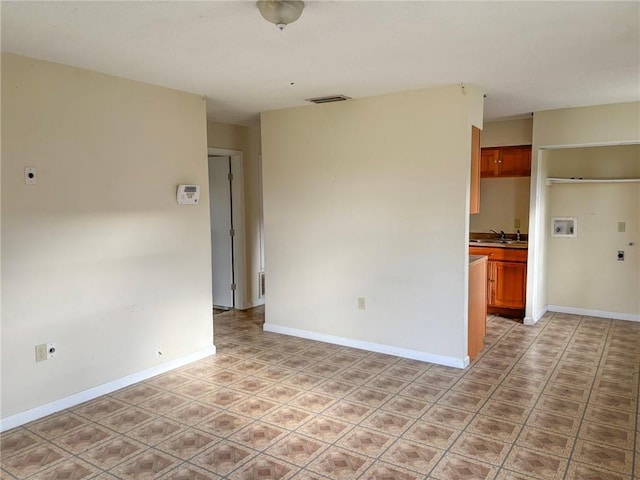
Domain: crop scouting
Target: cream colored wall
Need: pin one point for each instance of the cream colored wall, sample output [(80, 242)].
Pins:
[(503, 200), (619, 161), (98, 256), (507, 132), (248, 141), (596, 125), (369, 198), (583, 271)]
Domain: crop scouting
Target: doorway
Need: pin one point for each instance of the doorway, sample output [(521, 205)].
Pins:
[(226, 209)]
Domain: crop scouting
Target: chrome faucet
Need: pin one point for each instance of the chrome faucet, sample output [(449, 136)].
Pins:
[(501, 234), (518, 236)]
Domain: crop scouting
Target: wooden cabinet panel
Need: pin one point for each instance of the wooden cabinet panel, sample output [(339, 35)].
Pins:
[(506, 161), (474, 199), (489, 158), (508, 284), (516, 162), (477, 307), (504, 254)]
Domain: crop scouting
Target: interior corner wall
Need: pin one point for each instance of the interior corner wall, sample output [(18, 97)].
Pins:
[(98, 256), (369, 198), (602, 283), (570, 127), (248, 141)]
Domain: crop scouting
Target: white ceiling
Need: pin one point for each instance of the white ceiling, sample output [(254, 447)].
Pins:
[(526, 56)]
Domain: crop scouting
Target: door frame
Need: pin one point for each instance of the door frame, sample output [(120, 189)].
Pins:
[(239, 244)]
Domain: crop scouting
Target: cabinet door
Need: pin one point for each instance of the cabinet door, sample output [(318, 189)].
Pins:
[(489, 166), (515, 161), (509, 284), (477, 307)]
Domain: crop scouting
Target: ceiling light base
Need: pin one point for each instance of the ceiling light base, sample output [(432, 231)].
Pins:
[(280, 12)]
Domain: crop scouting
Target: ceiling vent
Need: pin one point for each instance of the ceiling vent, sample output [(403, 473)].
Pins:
[(332, 98)]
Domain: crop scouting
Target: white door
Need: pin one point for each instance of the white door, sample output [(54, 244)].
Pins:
[(220, 195)]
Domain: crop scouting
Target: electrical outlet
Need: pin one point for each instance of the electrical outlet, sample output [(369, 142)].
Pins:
[(30, 176), (159, 351), (361, 303), (52, 350), (41, 352)]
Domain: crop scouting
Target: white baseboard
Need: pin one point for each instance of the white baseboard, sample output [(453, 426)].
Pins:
[(594, 313), (86, 395), (534, 319), (369, 346)]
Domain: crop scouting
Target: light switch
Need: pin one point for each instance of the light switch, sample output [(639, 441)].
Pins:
[(516, 223), (622, 226)]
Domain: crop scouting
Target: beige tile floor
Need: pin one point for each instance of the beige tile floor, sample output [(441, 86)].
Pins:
[(558, 400)]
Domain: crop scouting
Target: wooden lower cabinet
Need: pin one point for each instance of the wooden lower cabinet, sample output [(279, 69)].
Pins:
[(506, 279), (507, 284), (477, 305)]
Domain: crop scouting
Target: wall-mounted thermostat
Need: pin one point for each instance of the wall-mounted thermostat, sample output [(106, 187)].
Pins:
[(188, 194)]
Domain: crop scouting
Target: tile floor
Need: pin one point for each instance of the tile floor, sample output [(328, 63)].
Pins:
[(558, 400)]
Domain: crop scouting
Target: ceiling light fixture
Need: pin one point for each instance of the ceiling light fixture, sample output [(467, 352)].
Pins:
[(280, 12)]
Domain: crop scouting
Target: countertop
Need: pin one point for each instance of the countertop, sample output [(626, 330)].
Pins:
[(473, 259), (510, 240), (499, 244)]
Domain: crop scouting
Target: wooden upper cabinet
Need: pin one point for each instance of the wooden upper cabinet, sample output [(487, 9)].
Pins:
[(506, 161), (474, 202), (489, 159)]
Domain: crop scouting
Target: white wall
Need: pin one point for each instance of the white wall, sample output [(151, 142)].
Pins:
[(584, 272), (584, 126), (98, 256), (370, 198), (503, 200)]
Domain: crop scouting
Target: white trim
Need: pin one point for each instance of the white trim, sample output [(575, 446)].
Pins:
[(613, 143), (369, 346), (535, 318), (104, 389), (534, 238), (239, 244), (631, 317), (261, 213), (552, 180)]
